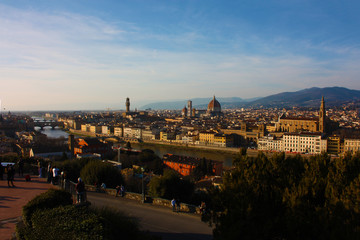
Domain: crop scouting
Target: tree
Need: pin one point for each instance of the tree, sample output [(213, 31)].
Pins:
[(99, 172), (282, 197), (170, 185), (205, 168)]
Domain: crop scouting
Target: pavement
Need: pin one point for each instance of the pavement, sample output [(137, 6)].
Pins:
[(12, 199), (157, 220)]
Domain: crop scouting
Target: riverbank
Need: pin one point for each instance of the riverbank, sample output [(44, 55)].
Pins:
[(196, 147), (160, 148)]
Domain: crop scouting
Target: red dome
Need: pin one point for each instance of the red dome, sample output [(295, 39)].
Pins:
[(214, 105)]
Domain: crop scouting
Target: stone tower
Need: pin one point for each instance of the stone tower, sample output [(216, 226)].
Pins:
[(189, 108), (127, 103), (322, 115)]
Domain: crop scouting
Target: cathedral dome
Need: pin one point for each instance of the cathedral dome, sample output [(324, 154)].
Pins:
[(214, 106)]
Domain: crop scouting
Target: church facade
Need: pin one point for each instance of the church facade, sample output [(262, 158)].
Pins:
[(294, 124)]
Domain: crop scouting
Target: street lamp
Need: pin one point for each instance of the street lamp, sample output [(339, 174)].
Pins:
[(142, 185)]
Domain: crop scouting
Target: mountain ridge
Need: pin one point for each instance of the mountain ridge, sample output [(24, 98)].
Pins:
[(308, 97)]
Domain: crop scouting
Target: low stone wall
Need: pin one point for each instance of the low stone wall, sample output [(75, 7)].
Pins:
[(184, 207)]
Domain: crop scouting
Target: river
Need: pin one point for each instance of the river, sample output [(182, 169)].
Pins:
[(160, 150), (50, 132)]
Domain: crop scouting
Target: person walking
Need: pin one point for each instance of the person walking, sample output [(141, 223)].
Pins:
[(80, 190), (122, 190), (10, 175), (173, 204)]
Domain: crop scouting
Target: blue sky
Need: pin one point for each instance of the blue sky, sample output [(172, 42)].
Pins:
[(90, 54)]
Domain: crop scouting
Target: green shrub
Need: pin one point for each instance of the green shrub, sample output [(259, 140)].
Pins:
[(50, 222), (100, 172), (50, 199), (64, 222)]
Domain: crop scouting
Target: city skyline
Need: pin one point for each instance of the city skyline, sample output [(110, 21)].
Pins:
[(82, 55)]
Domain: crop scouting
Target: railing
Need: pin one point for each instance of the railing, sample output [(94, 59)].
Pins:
[(69, 186)]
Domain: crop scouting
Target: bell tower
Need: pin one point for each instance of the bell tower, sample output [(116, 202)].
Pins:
[(127, 104), (322, 115)]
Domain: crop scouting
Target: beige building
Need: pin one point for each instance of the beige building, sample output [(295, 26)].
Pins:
[(302, 143), (223, 140), (207, 137), (216, 139), (118, 132), (85, 127), (167, 136), (270, 143), (95, 129), (351, 145)]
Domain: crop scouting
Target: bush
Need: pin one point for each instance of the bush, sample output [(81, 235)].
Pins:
[(64, 222), (50, 199), (100, 172), (77, 222)]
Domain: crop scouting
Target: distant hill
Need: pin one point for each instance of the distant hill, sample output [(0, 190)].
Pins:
[(199, 103), (310, 97)]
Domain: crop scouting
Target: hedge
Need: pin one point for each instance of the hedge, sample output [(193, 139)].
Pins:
[(50, 199), (51, 216)]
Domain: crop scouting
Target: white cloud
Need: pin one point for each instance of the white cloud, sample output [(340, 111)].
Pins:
[(73, 60)]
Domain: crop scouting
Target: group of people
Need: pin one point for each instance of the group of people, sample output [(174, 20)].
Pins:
[(9, 169), (55, 175)]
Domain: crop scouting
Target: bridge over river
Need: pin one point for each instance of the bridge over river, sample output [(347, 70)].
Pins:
[(47, 123)]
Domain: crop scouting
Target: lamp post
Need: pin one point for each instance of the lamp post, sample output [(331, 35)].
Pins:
[(142, 185)]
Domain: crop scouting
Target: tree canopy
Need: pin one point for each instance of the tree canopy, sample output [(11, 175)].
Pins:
[(171, 185), (280, 197)]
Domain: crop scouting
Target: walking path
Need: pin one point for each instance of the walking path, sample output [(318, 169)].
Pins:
[(12, 199)]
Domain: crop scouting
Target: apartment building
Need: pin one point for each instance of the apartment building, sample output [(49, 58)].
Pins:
[(302, 142), (351, 145)]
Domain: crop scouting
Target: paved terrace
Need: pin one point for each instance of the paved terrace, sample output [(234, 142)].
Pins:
[(158, 220), (12, 199)]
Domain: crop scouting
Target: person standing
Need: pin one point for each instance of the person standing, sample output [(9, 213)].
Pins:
[(10, 175), (80, 190), (55, 175), (49, 173), (39, 167), (122, 191)]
